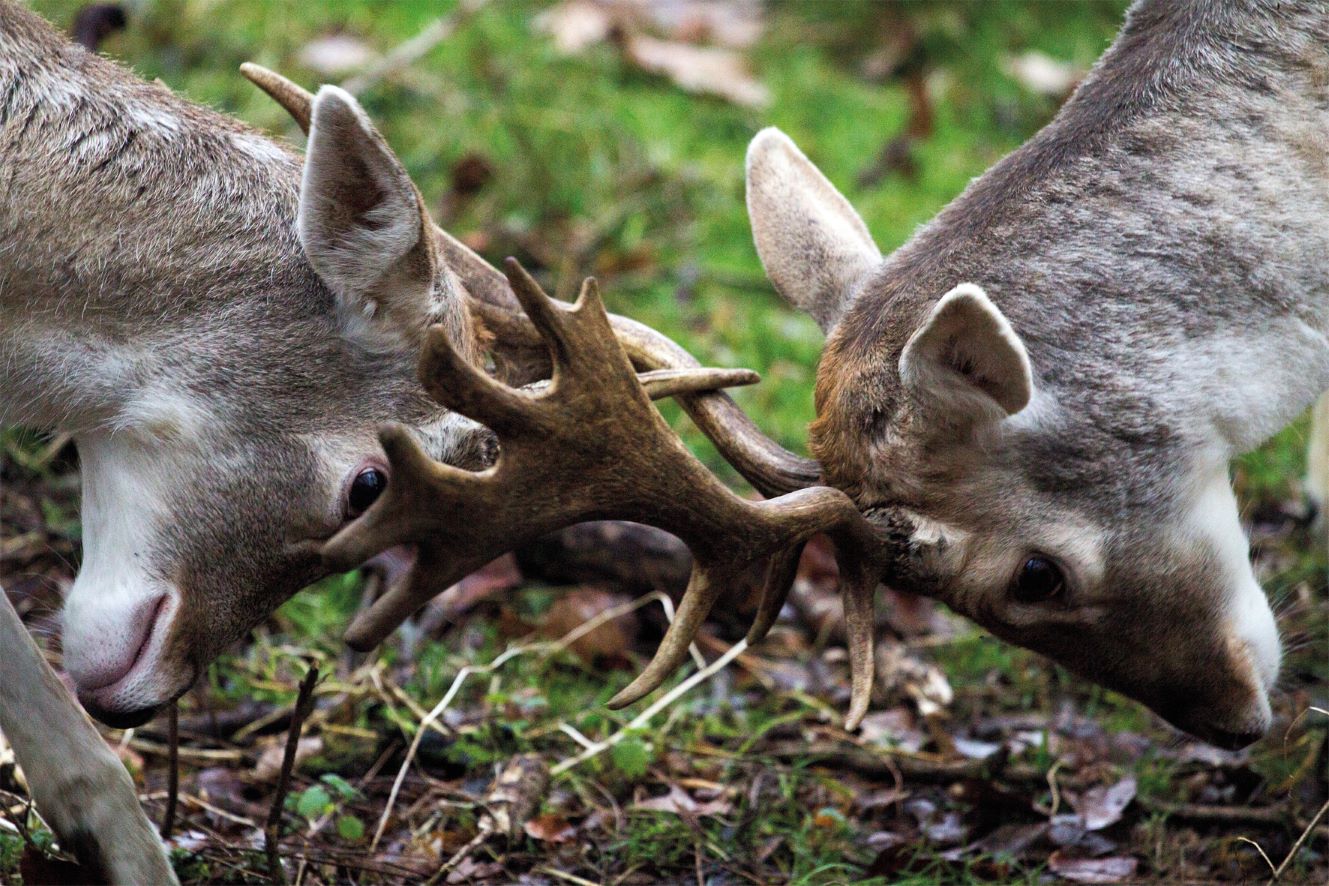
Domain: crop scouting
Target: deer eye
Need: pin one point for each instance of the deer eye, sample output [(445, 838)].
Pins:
[(1039, 579), (364, 490)]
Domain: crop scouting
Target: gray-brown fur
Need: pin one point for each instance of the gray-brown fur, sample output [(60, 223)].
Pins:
[(151, 268), (1161, 250)]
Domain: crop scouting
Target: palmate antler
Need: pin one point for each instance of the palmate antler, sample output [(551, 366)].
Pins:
[(590, 447)]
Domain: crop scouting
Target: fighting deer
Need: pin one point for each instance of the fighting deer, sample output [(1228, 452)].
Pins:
[(1032, 404), (220, 325)]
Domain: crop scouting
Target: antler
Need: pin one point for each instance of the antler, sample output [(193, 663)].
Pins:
[(589, 447), (769, 467)]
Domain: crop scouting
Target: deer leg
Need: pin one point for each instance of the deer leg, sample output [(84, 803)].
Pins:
[(1317, 477), (80, 787)]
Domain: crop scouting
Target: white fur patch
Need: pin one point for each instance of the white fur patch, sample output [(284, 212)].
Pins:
[(1214, 517), (124, 486)]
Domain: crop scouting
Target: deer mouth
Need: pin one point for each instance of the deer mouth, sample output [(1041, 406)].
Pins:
[(147, 684)]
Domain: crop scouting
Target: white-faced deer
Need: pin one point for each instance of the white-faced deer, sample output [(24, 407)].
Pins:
[(1033, 403), (222, 326)]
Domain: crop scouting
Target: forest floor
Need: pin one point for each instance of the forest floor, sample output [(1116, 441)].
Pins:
[(979, 761)]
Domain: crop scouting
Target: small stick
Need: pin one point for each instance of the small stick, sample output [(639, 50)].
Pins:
[(547, 646), (272, 833), (1296, 847), (663, 702), (172, 770)]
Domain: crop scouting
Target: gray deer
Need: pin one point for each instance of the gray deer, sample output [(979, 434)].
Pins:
[(1053, 375)]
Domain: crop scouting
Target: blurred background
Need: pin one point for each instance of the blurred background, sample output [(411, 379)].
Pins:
[(607, 137)]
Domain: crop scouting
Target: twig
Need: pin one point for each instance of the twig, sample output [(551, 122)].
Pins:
[(407, 53), (1296, 847), (550, 646), (663, 702), (272, 833), (172, 770), (1259, 849)]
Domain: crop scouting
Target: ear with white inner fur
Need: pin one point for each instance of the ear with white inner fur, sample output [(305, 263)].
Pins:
[(965, 364), (361, 222), (812, 243)]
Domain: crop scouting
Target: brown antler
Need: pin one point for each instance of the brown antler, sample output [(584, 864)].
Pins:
[(571, 469), (769, 467), (590, 446)]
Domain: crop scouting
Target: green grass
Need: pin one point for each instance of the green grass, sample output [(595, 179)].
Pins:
[(602, 169)]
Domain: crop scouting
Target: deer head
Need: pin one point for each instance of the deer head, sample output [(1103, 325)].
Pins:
[(1060, 511), (209, 491)]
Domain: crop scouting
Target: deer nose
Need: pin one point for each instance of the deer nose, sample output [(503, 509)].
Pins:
[(113, 652)]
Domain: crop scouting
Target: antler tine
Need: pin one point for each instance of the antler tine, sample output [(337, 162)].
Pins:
[(544, 312), (702, 592), (451, 380), (294, 98), (775, 587), (769, 467)]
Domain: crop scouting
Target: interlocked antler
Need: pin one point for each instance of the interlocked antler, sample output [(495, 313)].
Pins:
[(618, 460), (590, 447), (769, 467)]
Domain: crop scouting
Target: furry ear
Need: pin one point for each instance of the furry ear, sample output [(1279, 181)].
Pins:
[(812, 243), (965, 364), (362, 224)]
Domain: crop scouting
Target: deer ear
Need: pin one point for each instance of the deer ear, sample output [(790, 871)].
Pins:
[(965, 364), (812, 243), (361, 222)]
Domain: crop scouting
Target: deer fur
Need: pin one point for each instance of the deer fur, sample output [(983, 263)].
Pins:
[(1064, 361), (222, 326)]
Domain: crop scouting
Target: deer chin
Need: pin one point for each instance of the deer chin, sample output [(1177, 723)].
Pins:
[(151, 682)]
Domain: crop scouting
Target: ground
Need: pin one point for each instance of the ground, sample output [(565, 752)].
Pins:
[(980, 761)]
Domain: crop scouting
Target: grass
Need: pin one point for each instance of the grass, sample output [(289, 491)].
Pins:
[(600, 168)]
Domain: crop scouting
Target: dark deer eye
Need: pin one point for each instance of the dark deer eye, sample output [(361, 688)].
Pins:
[(1039, 579), (365, 489)]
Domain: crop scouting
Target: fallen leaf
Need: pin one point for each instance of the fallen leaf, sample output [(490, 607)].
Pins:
[(336, 54), (680, 802), (550, 828), (269, 762), (1042, 74), (708, 70), (1102, 806), (1113, 869), (609, 640)]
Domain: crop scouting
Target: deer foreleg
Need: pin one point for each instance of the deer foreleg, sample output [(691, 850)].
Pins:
[(80, 787)]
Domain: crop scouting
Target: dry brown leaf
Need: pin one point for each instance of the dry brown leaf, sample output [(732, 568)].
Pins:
[(709, 70), (269, 762), (1113, 869), (610, 640), (680, 802), (550, 828), (1102, 806)]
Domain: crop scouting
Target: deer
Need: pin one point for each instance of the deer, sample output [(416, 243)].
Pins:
[(221, 325), (1031, 405)]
